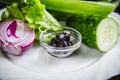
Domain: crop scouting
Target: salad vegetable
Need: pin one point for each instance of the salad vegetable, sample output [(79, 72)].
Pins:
[(15, 37), (22, 22), (33, 13), (85, 16), (98, 33), (61, 40), (89, 17), (111, 1), (62, 9)]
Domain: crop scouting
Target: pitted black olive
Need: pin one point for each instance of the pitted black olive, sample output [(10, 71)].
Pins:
[(67, 36), (70, 43), (54, 40), (60, 37), (62, 44), (53, 44), (61, 40)]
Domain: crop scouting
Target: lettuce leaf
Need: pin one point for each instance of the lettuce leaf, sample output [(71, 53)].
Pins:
[(33, 13)]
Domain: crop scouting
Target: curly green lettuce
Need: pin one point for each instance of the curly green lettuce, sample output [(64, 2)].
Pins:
[(33, 13)]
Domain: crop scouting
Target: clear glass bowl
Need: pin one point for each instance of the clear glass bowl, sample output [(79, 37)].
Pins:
[(75, 38)]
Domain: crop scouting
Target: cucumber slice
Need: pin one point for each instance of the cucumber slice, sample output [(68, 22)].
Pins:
[(107, 34)]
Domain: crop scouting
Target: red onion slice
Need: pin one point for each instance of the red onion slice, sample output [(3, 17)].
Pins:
[(16, 37)]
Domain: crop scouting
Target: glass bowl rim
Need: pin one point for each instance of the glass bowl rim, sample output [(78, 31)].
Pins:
[(43, 44)]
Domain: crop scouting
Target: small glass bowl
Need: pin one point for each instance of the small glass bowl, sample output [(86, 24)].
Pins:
[(75, 38)]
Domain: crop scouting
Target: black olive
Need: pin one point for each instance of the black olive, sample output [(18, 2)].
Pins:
[(62, 44), (60, 36), (67, 36), (54, 40), (61, 40), (53, 44), (70, 43)]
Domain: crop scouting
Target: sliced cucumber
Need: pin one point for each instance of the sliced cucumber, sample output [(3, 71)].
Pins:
[(107, 34)]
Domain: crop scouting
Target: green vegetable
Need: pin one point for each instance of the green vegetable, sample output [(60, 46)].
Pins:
[(97, 32), (78, 7), (33, 13), (99, 0)]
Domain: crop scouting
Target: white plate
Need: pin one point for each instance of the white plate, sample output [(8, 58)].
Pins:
[(85, 64)]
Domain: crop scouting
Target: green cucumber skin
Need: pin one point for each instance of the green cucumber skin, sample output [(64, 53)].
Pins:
[(87, 27)]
